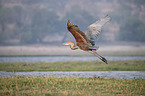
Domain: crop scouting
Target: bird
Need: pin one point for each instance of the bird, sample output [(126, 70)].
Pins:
[(86, 41)]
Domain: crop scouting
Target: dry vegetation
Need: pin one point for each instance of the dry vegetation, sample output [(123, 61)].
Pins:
[(68, 86)]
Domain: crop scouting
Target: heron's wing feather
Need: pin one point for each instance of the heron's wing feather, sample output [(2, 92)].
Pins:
[(94, 29)]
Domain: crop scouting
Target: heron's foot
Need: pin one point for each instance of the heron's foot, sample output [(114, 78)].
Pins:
[(104, 60), (97, 47)]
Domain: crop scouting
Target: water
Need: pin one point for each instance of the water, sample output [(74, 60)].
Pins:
[(66, 58), (84, 74), (87, 74)]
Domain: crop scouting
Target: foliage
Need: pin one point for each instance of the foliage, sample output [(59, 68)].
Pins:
[(11, 23), (137, 65), (30, 22), (69, 86), (130, 25), (81, 17), (48, 20), (17, 23), (132, 29)]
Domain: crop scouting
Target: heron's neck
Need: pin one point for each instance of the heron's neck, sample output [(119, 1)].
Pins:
[(73, 47)]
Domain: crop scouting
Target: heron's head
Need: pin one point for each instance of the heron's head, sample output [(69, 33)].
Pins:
[(69, 24), (68, 43)]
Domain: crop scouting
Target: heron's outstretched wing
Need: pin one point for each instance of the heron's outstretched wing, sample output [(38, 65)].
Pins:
[(94, 29)]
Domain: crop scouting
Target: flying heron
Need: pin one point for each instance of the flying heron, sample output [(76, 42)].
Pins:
[(86, 42)]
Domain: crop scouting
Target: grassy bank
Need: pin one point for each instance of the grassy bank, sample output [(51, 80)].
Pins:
[(51, 86), (133, 65)]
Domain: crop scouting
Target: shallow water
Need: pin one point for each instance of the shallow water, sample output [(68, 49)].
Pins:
[(87, 74), (84, 74), (66, 58)]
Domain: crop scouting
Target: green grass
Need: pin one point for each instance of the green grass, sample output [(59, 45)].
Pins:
[(133, 65), (68, 86), (72, 86)]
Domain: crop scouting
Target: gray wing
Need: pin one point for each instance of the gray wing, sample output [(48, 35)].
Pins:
[(94, 29)]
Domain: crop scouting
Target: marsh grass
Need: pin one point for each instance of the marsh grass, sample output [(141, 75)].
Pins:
[(70, 86), (132, 65)]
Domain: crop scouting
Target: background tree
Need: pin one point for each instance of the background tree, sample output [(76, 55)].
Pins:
[(31, 22), (81, 17), (44, 22), (132, 29)]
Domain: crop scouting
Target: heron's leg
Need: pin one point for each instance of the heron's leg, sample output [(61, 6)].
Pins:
[(99, 56), (95, 54), (102, 58)]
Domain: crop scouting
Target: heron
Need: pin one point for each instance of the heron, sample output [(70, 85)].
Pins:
[(86, 41)]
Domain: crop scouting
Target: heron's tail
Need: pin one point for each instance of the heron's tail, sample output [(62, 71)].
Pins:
[(99, 56)]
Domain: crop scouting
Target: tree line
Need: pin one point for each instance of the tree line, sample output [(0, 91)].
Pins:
[(31, 24)]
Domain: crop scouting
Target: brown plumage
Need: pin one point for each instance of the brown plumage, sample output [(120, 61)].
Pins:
[(86, 42), (81, 39)]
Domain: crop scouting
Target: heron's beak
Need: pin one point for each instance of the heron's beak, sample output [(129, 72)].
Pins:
[(64, 44)]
